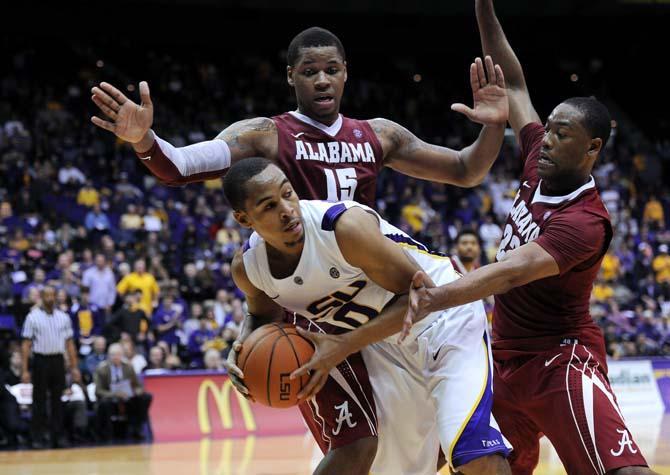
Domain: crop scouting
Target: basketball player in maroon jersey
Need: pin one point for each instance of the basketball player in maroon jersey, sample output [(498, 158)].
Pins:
[(325, 156), (550, 367)]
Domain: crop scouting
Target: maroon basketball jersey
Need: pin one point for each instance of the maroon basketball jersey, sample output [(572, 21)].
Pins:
[(334, 163), (576, 230)]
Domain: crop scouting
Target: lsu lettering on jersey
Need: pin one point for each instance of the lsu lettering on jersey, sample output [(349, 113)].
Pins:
[(335, 296), (417, 406)]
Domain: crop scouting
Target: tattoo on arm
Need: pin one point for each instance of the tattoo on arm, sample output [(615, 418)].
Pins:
[(240, 135), (398, 139)]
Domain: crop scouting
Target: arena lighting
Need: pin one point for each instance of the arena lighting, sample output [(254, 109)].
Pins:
[(130, 87), (574, 77), (417, 78), (100, 63)]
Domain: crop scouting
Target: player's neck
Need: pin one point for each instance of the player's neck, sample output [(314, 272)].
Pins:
[(564, 186), (283, 260), (327, 121)]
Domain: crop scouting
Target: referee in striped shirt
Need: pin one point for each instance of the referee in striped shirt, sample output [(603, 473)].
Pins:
[(48, 331)]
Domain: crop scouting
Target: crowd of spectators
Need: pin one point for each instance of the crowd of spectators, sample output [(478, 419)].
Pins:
[(148, 266)]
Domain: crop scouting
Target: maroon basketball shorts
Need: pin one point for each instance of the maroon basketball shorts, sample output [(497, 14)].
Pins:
[(344, 410), (564, 394)]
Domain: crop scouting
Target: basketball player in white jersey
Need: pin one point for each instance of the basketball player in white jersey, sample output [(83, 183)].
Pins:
[(343, 270)]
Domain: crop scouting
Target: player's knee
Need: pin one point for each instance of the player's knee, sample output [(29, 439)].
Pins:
[(355, 458), (363, 452), (493, 464), (632, 471)]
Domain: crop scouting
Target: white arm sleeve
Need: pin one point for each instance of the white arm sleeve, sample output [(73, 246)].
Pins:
[(203, 157)]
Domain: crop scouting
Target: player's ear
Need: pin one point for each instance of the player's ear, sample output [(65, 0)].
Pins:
[(345, 72), (595, 147), (242, 218), (289, 76)]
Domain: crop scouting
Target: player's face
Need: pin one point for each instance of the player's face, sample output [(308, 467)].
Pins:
[(567, 148), (272, 209), (467, 248), (318, 78)]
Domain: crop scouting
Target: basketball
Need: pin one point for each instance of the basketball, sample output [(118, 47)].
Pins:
[(268, 357)]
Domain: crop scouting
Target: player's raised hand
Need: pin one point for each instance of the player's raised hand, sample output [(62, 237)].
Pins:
[(490, 105), (234, 372), (329, 351), (419, 302), (127, 120)]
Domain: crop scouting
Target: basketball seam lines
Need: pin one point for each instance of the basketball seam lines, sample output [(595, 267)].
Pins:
[(269, 369), (295, 353), (252, 349)]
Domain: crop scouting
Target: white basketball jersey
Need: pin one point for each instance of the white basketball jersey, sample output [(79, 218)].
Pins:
[(325, 288)]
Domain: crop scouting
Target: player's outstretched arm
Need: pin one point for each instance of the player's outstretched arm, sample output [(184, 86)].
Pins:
[(525, 264), (406, 153), (132, 122), (261, 309), (495, 44)]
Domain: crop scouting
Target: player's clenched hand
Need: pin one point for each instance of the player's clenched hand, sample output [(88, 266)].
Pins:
[(490, 105), (234, 372), (127, 120), (329, 351), (420, 300)]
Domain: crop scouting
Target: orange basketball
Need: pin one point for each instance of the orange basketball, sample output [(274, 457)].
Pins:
[(268, 357)]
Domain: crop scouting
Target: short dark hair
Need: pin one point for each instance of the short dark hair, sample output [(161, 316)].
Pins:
[(234, 183), (466, 232), (312, 37), (597, 119)]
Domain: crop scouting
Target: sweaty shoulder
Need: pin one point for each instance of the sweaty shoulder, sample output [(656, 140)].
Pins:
[(576, 237)]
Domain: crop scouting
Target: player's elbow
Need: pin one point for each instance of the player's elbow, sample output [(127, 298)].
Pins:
[(514, 274)]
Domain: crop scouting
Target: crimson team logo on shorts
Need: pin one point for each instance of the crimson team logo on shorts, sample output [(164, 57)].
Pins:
[(625, 441), (344, 416)]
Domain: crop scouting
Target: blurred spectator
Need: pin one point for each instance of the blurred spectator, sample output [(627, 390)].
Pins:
[(88, 321), (136, 360), (156, 358), (197, 342), (130, 320), (490, 234), (661, 265), (653, 213), (101, 283), (96, 220), (97, 356), (166, 321), (70, 175), (116, 384), (88, 196), (213, 360), (141, 280), (222, 307)]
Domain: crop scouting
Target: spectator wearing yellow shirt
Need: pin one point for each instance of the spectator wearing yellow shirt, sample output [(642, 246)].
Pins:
[(141, 280), (611, 267), (661, 265), (653, 213), (602, 292), (88, 195)]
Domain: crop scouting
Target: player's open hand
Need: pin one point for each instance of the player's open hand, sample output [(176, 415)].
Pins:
[(127, 120), (420, 300), (490, 105), (234, 372), (329, 351)]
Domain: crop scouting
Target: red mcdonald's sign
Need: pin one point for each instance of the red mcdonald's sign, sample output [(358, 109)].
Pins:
[(193, 405)]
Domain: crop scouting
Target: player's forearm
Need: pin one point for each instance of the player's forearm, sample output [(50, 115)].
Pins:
[(387, 323), (479, 157), (492, 279), (495, 44), (181, 165)]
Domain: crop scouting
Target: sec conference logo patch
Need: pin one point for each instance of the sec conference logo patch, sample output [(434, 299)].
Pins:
[(334, 273)]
